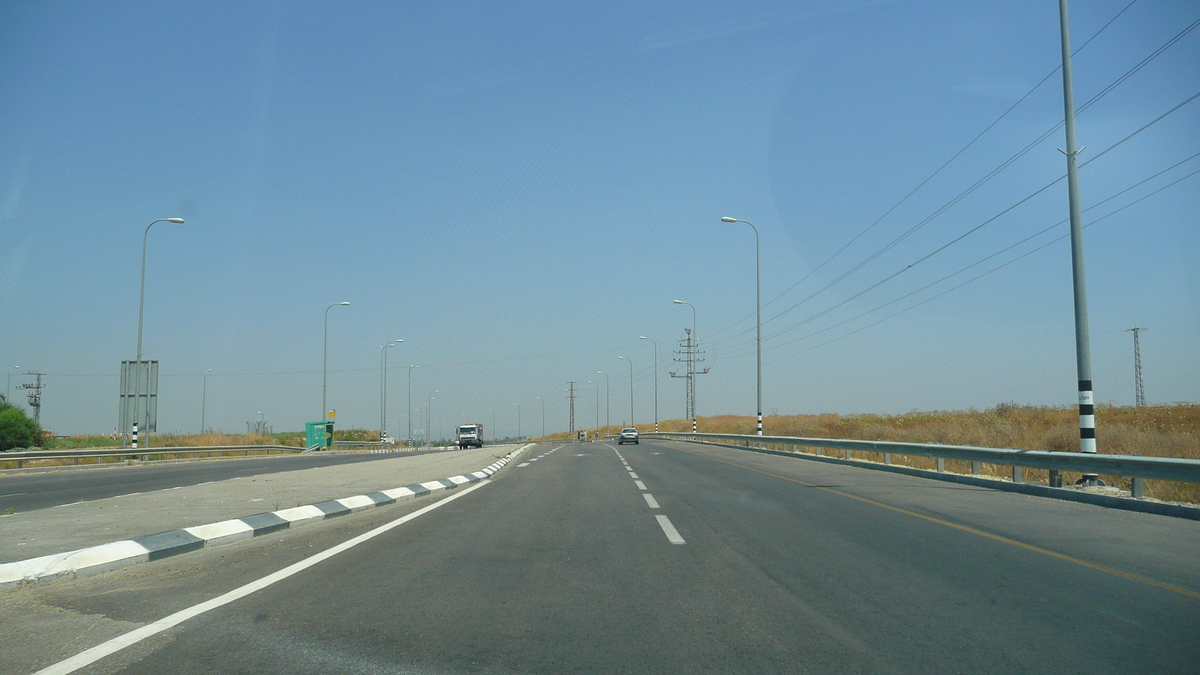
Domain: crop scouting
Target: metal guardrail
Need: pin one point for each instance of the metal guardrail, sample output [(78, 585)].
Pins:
[(1135, 467), (144, 454)]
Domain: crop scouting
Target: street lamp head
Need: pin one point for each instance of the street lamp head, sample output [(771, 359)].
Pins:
[(177, 221), (622, 357), (343, 303), (727, 219), (643, 337), (678, 302)]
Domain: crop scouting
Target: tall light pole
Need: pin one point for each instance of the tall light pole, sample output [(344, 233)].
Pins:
[(643, 337), (1083, 348), (429, 415), (691, 362), (757, 311), (137, 387), (607, 401), (409, 413), (383, 387), (325, 360), (204, 400), (543, 416), (630, 388), (518, 420), (8, 391), (597, 386)]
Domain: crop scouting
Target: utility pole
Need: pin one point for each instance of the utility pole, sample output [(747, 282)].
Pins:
[(1138, 392), (35, 396), (571, 396), (690, 352), (1083, 349)]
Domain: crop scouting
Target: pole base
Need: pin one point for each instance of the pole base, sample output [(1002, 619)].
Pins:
[(1089, 480)]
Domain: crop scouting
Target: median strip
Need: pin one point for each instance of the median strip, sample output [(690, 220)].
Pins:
[(165, 544)]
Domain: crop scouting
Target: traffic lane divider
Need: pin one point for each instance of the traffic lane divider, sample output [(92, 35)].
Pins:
[(119, 554)]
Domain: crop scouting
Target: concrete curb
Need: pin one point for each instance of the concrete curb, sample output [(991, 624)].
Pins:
[(1108, 501), (165, 544)]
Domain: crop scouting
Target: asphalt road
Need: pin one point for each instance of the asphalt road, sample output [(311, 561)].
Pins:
[(691, 559), (31, 491)]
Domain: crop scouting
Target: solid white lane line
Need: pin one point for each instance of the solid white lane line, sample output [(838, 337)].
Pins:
[(650, 500), (120, 642), (640, 484), (669, 530), (632, 475)]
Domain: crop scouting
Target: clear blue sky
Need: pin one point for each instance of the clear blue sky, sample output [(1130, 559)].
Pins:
[(520, 191)]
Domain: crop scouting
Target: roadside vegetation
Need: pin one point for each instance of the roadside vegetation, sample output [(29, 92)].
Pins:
[(17, 430), (1159, 431), (293, 439)]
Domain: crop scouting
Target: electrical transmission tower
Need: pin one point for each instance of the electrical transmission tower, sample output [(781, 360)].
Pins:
[(35, 396), (571, 396), (689, 350), (1138, 392)]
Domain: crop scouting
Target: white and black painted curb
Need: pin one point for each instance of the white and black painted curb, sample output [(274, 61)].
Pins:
[(165, 544)]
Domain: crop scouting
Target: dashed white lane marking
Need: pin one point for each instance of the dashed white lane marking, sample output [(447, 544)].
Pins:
[(522, 464), (669, 530), (14, 494), (650, 500), (640, 484), (120, 642), (632, 475)]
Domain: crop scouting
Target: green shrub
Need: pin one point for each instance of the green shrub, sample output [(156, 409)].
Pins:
[(16, 429)]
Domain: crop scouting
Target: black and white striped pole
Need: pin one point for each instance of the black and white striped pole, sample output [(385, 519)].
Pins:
[(135, 434), (1083, 351)]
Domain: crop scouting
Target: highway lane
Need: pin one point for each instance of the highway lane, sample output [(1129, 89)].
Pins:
[(562, 565), (31, 491)]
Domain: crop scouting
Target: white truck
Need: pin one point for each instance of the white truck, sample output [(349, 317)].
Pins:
[(470, 436)]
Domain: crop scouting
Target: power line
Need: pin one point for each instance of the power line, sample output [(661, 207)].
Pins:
[(979, 183), (985, 223), (965, 148), (971, 280)]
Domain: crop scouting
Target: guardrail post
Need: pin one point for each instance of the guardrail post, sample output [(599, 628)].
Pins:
[(975, 468), (1137, 490), (1055, 478), (887, 458), (847, 454), (1017, 474), (941, 464)]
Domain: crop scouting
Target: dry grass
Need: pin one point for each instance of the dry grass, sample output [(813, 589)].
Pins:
[(1159, 431)]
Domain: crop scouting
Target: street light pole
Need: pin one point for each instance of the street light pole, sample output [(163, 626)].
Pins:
[(383, 388), (137, 387), (691, 359), (204, 400), (607, 401), (643, 337), (543, 414), (325, 360), (429, 414), (597, 386), (8, 391), (408, 413), (630, 389), (518, 420), (757, 312), (1083, 348)]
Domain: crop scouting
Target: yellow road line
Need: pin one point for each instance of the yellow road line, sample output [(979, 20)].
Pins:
[(963, 528)]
